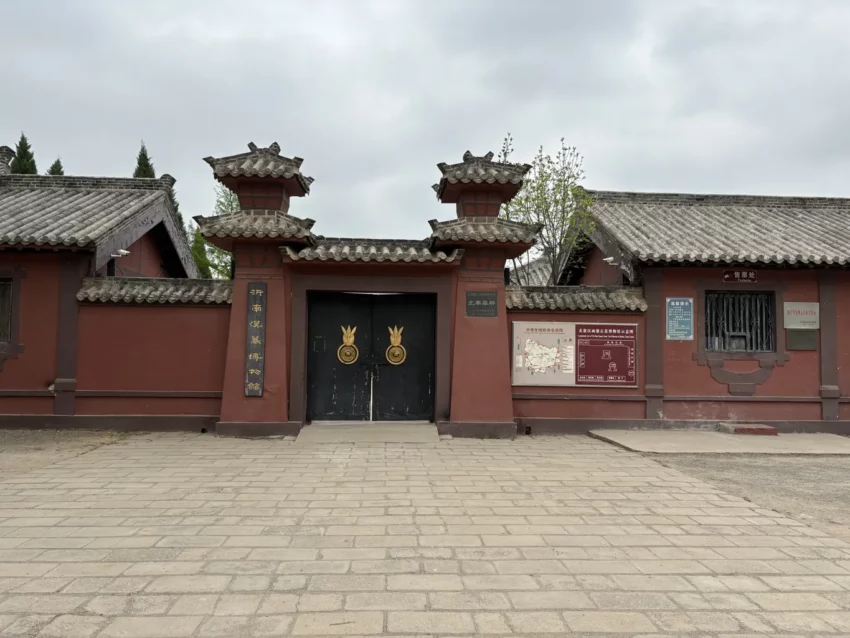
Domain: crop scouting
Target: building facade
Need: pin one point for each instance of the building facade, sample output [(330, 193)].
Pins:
[(684, 310)]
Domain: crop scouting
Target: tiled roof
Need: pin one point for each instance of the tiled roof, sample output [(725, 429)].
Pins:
[(261, 162), (480, 170), (156, 291), (72, 211), (256, 223), (337, 249), (575, 298), (653, 227), (534, 273), (483, 229)]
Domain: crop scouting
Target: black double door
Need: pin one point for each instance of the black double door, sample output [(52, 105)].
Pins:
[(370, 357)]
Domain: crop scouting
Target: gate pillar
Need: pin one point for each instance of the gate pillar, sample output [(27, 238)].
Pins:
[(255, 395)]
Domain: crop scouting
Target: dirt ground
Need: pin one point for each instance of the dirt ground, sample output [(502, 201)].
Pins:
[(812, 489), (26, 450)]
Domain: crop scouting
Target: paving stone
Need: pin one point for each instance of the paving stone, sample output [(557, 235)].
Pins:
[(608, 622), (635, 600), (188, 584), (73, 627), (425, 582), (384, 566), (430, 622), (469, 600), (339, 623), (44, 604), (194, 605), (551, 600), (491, 623), (348, 582), (320, 602), (152, 627), (536, 622), (784, 602), (386, 601), (241, 605), (27, 625), (500, 582)]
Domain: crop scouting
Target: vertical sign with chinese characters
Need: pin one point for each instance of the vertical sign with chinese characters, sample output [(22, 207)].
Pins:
[(256, 345), (680, 319)]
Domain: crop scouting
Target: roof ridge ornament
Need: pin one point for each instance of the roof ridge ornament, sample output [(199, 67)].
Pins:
[(484, 184)]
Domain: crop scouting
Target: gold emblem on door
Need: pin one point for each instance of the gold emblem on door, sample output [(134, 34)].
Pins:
[(396, 354), (347, 353)]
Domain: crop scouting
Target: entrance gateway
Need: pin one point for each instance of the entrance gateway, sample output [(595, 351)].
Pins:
[(370, 357), (360, 330)]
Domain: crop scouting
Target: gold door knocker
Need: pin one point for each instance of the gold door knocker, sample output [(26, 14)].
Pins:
[(396, 354), (347, 353)]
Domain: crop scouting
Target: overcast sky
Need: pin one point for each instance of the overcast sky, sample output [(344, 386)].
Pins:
[(740, 96)]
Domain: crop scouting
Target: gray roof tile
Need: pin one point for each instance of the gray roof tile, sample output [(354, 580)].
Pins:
[(483, 229), (71, 211), (261, 162), (339, 249), (587, 298), (156, 291), (480, 170), (653, 227), (256, 223)]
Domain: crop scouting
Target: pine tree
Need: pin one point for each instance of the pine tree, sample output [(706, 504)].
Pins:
[(24, 161), (144, 166), (56, 168), (199, 254)]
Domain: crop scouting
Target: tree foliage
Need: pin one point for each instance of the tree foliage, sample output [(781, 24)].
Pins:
[(553, 198), (24, 161), (56, 168), (144, 165), (200, 255), (221, 261)]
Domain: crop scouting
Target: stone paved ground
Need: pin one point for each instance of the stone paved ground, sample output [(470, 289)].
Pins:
[(181, 535)]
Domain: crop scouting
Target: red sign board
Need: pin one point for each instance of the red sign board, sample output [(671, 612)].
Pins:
[(740, 276), (606, 354)]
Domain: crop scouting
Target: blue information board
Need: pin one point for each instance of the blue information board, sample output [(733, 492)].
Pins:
[(680, 319)]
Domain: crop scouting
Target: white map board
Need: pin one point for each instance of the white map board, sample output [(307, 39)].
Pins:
[(543, 353)]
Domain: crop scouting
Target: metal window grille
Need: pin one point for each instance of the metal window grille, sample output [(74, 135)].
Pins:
[(5, 310), (740, 322)]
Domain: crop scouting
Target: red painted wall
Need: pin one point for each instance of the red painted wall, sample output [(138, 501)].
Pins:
[(35, 368), (132, 347), (599, 273), (843, 345), (684, 377), (144, 260), (559, 404)]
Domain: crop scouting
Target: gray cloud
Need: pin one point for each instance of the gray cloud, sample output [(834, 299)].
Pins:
[(705, 96)]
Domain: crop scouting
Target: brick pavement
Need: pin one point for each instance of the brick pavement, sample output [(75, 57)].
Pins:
[(178, 535)]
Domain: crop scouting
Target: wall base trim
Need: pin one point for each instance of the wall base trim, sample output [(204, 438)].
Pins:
[(538, 425), (258, 429), (478, 430), (117, 422)]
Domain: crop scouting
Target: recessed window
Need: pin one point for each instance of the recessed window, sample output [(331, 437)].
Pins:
[(5, 310), (740, 322)]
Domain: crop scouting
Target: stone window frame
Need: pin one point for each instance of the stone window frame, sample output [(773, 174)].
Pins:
[(703, 357), (13, 348)]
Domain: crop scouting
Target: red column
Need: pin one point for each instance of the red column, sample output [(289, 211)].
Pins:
[(250, 415), (481, 402)]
